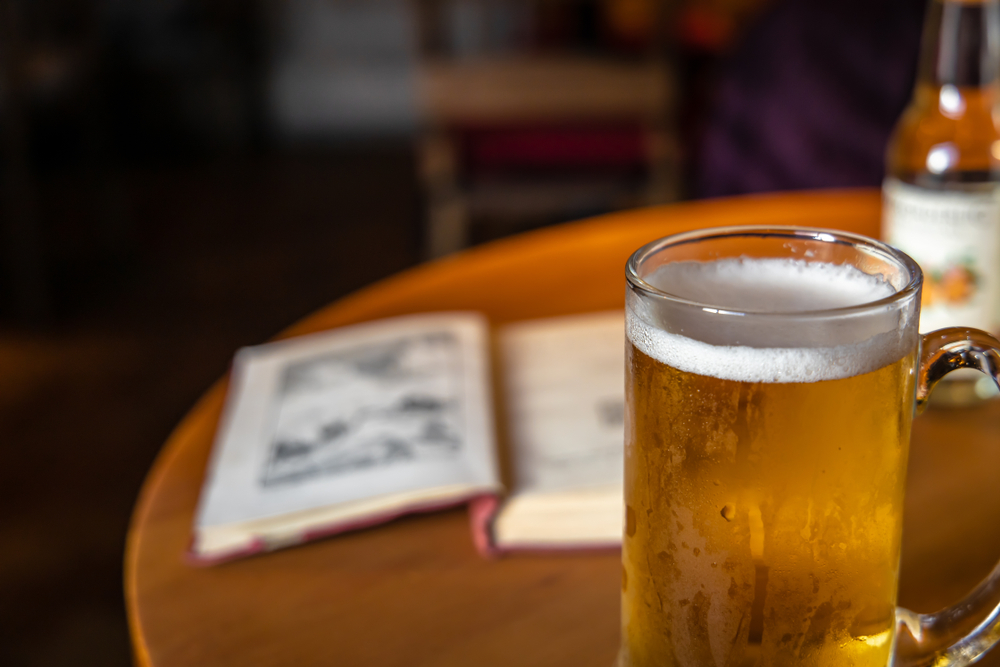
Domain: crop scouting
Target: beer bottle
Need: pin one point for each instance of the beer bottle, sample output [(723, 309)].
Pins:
[(941, 194)]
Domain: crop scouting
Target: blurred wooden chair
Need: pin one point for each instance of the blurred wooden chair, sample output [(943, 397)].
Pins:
[(543, 136)]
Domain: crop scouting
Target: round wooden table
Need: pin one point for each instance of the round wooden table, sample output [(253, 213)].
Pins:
[(414, 592)]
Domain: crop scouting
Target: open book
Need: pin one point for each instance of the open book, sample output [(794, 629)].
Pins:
[(355, 426), (563, 382)]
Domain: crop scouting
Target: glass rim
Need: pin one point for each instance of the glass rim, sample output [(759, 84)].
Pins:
[(787, 231)]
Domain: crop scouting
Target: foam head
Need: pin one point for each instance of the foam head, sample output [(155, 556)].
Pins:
[(771, 332), (770, 285)]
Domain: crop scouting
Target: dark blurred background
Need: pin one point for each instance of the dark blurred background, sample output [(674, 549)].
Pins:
[(179, 178)]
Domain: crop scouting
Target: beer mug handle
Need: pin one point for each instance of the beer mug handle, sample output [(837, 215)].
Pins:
[(962, 633)]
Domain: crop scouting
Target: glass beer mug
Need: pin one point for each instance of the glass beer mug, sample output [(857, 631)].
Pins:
[(772, 377)]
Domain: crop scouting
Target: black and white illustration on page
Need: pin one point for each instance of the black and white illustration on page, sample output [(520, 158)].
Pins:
[(376, 405)]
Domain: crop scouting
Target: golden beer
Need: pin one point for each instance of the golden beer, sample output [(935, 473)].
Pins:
[(762, 519)]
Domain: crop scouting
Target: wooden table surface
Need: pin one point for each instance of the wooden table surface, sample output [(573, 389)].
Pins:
[(413, 592)]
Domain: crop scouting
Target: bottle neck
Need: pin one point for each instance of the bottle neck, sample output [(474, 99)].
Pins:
[(961, 44)]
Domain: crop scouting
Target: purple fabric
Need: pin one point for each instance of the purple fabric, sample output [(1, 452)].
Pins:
[(809, 98)]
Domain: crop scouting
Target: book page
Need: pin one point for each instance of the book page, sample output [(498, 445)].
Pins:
[(564, 382), (388, 407)]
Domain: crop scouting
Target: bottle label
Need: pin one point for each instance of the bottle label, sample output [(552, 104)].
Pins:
[(955, 238)]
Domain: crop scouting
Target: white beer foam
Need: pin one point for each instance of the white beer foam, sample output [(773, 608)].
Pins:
[(785, 286), (770, 285)]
